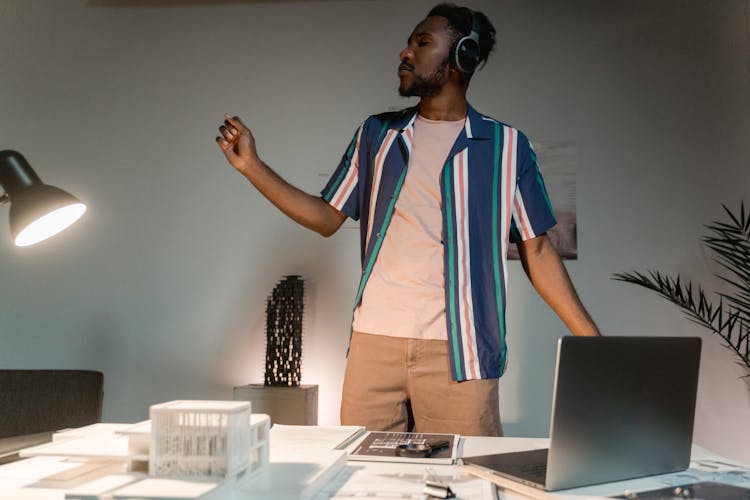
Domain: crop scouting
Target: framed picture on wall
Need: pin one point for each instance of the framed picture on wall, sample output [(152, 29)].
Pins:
[(557, 162)]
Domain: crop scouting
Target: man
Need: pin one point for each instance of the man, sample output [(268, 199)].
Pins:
[(440, 191)]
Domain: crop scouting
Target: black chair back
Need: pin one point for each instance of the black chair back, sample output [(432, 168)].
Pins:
[(34, 401)]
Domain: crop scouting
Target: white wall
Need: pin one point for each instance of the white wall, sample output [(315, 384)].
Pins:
[(162, 285)]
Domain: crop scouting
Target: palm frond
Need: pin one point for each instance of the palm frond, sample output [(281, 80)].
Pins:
[(730, 317)]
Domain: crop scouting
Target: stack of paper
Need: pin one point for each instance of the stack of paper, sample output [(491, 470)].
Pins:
[(303, 460)]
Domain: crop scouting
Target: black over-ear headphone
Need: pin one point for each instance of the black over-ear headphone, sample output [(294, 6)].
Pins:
[(466, 51)]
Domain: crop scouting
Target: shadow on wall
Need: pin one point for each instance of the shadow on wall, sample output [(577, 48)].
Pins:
[(240, 341), (526, 387)]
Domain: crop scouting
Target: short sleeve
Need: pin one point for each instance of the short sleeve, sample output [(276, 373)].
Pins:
[(341, 190), (532, 210)]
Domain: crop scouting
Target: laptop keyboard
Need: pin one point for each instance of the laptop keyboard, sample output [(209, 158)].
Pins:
[(529, 466), (535, 470)]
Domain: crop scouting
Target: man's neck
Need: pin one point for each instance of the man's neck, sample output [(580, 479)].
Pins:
[(447, 106)]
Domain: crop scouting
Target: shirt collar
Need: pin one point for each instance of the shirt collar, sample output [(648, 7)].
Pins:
[(477, 126)]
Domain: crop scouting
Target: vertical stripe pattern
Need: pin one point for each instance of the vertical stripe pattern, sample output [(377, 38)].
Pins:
[(385, 146), (463, 261), (521, 217), (451, 315), (349, 182), (509, 159), (498, 254)]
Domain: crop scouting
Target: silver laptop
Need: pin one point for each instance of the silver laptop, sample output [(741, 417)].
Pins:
[(622, 407)]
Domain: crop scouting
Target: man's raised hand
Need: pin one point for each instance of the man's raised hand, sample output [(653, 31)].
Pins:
[(237, 143)]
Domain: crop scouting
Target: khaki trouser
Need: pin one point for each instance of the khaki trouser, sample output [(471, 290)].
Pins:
[(389, 380)]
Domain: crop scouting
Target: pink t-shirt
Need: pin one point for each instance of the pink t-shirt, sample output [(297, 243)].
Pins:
[(405, 294)]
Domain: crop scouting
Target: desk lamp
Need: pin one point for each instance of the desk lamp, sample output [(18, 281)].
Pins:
[(37, 210)]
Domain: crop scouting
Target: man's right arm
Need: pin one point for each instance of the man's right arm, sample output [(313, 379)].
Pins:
[(238, 145)]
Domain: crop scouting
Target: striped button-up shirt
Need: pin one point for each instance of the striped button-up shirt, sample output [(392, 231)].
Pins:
[(492, 194)]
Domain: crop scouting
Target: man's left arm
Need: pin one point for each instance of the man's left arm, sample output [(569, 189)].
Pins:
[(547, 273)]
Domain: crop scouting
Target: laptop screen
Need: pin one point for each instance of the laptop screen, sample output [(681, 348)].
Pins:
[(622, 407)]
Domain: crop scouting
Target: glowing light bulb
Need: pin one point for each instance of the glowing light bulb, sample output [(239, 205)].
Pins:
[(50, 224)]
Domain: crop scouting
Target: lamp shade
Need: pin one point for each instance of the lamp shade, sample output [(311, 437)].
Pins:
[(37, 210)]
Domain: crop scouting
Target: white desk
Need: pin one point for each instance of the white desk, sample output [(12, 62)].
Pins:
[(48, 477), (353, 483)]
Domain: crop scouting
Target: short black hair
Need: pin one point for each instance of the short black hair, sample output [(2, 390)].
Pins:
[(459, 26)]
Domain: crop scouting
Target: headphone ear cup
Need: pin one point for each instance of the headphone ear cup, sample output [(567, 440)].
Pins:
[(466, 55)]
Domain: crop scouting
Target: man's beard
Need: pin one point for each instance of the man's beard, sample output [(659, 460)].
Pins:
[(426, 86)]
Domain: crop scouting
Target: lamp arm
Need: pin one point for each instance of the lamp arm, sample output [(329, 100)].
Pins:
[(4, 199), (16, 174)]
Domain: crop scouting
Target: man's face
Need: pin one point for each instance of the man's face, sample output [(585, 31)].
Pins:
[(424, 62)]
